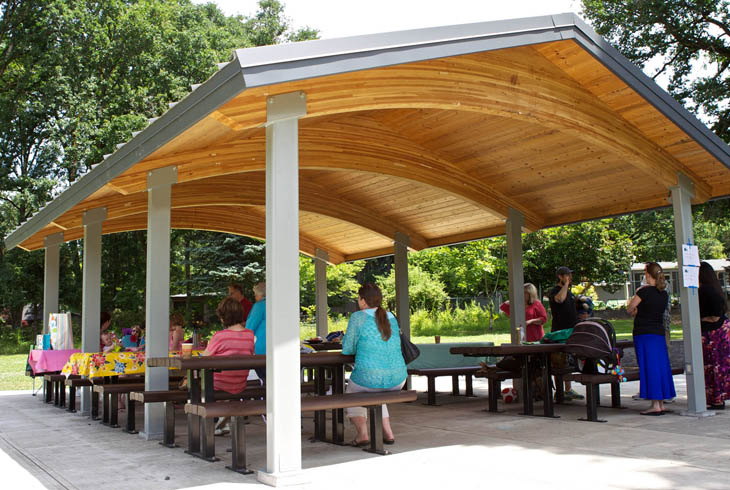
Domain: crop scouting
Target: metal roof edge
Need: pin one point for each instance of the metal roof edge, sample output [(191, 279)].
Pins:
[(218, 89), (313, 59), (321, 48), (610, 57)]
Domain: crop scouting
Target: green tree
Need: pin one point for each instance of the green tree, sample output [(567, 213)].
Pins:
[(424, 290), (471, 269), (681, 35), (342, 283), (78, 77), (594, 250)]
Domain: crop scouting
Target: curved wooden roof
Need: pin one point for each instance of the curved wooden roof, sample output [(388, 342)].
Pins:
[(436, 136)]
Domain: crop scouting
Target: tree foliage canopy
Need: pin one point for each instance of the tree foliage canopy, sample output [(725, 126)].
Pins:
[(687, 40)]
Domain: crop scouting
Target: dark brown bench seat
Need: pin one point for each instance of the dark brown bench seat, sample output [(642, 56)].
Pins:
[(110, 401), (74, 382), (454, 372), (592, 383), (238, 410), (169, 397), (495, 376), (55, 390)]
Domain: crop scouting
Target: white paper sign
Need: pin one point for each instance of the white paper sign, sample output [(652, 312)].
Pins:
[(690, 255), (691, 277)]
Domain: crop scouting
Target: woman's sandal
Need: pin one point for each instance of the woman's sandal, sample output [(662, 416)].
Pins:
[(654, 413), (388, 441), (355, 443)]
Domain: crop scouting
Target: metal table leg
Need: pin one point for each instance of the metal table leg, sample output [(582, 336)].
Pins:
[(193, 420)]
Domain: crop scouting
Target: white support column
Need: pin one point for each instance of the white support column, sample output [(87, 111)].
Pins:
[(320, 291), (402, 300), (91, 294), (515, 222), (52, 244), (283, 404), (694, 367), (159, 190)]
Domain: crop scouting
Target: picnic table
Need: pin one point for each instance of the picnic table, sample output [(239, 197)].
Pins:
[(529, 355), (200, 390), (49, 361), (99, 364)]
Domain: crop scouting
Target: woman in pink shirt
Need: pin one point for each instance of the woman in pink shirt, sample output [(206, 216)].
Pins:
[(235, 339), (535, 315)]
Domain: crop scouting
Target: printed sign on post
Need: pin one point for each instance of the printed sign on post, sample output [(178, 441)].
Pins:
[(690, 255), (691, 276)]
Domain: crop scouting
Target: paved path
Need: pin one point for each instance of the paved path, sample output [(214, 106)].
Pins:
[(454, 445)]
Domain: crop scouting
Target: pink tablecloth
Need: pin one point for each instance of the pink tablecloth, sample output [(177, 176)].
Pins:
[(49, 361)]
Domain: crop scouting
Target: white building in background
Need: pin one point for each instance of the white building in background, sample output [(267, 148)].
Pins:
[(671, 274)]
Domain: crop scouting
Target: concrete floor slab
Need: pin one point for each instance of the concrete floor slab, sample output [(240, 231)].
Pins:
[(455, 444)]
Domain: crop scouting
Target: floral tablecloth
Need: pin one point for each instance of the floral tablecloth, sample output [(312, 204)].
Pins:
[(96, 364)]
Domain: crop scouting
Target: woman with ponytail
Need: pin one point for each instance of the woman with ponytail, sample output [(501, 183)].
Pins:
[(373, 337), (647, 307)]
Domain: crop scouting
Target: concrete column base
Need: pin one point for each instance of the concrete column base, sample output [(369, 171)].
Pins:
[(151, 436), (705, 413), (283, 479)]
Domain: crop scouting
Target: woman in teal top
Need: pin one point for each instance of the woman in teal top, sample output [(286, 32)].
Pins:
[(256, 322), (373, 337)]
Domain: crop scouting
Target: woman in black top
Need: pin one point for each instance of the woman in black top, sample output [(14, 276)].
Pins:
[(715, 338), (655, 372)]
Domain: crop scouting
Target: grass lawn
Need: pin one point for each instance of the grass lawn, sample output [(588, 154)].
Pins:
[(623, 332), (12, 373)]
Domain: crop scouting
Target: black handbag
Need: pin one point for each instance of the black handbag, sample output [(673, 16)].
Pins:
[(409, 349)]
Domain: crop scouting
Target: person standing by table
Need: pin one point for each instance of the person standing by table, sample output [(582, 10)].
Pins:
[(535, 314), (655, 372), (562, 306), (373, 337), (235, 291), (715, 327), (256, 322)]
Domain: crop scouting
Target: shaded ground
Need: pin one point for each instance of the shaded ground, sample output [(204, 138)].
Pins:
[(455, 444)]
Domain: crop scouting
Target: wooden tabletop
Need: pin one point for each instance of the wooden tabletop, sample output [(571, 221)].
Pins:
[(508, 350), (245, 362)]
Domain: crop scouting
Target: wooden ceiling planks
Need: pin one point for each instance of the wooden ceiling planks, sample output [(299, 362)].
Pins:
[(439, 150)]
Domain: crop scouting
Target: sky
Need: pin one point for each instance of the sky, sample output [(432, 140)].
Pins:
[(341, 18)]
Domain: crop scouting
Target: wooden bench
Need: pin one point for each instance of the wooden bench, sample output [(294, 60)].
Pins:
[(78, 382), (454, 372), (169, 397), (110, 400), (592, 383), (238, 410), (54, 389), (495, 376)]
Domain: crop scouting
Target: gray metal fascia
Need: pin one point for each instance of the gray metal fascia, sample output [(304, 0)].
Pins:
[(314, 59), (217, 90), (284, 53), (612, 59)]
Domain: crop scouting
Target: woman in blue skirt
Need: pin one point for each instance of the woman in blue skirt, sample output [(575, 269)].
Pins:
[(647, 307)]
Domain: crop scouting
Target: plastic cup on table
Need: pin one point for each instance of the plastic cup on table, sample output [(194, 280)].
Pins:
[(187, 350), (437, 339)]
